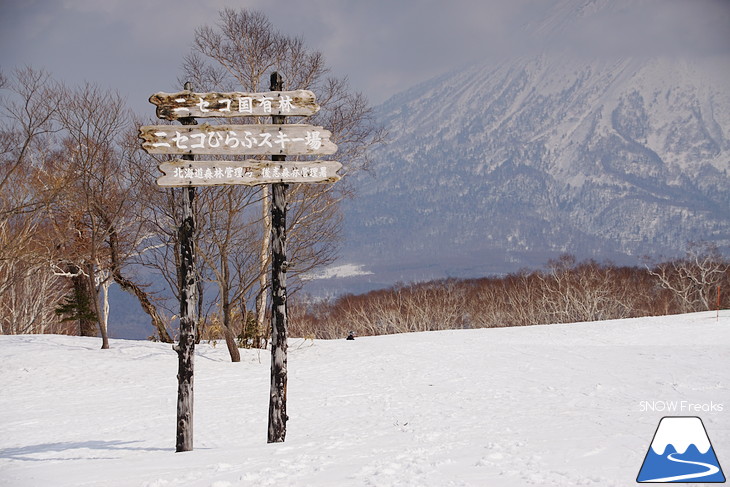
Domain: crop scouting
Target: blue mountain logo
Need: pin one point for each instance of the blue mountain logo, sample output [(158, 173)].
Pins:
[(681, 452)]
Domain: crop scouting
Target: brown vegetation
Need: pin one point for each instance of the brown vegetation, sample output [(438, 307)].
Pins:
[(79, 209), (565, 292)]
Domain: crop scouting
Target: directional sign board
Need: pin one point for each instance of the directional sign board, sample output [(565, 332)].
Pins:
[(171, 106), (291, 139), (249, 172)]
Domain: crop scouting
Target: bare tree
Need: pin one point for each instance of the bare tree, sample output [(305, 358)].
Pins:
[(228, 227), (70, 202), (97, 219), (21, 311), (27, 126), (27, 141), (239, 53), (141, 233), (567, 291), (694, 279)]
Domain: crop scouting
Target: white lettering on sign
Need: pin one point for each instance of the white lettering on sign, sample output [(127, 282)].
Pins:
[(189, 173), (207, 173), (203, 105), (285, 104), (172, 106), (313, 140), (285, 173), (229, 138), (160, 144), (266, 103), (249, 172), (244, 105)]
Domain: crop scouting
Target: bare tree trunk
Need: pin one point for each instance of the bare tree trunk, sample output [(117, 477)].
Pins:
[(91, 284), (105, 305), (132, 288), (87, 326), (146, 304), (263, 283), (228, 330), (230, 336)]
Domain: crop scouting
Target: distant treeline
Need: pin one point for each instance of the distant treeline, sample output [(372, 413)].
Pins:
[(565, 291)]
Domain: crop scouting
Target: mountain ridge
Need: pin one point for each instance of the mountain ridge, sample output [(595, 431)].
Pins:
[(504, 166)]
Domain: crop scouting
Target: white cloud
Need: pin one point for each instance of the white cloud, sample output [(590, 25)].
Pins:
[(381, 45)]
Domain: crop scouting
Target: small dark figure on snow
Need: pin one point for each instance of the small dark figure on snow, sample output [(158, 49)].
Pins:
[(351, 335)]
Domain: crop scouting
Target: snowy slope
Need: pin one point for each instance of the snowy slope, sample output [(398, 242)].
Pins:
[(548, 405), (606, 146), (495, 168)]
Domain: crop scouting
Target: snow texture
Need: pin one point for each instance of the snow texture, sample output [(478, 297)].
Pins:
[(518, 162), (544, 405), (344, 270)]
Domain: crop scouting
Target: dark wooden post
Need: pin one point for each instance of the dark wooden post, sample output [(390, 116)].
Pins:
[(277, 395), (185, 348)]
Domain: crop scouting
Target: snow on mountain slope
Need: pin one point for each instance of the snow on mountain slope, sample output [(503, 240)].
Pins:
[(601, 130), (560, 405), (494, 168)]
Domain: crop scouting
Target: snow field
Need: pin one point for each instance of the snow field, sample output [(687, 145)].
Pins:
[(545, 405)]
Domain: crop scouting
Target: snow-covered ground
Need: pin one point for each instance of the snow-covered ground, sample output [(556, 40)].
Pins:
[(344, 270), (547, 405)]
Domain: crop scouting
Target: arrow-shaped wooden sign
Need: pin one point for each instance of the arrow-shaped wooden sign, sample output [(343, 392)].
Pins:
[(249, 172), (172, 106), (262, 139)]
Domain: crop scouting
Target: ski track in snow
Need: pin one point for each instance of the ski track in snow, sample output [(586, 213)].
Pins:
[(554, 405)]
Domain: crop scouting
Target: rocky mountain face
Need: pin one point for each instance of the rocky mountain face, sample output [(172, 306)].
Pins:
[(497, 167)]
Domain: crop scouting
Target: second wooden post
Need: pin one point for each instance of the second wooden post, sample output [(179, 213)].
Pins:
[(188, 314), (277, 395)]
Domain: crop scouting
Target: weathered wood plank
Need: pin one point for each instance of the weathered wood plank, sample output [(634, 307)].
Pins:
[(260, 139), (249, 172), (172, 106)]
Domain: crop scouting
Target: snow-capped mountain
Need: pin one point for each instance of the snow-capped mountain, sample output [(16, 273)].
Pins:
[(497, 167)]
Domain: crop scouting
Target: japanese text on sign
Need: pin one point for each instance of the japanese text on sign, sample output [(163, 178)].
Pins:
[(229, 138), (173, 106), (249, 172), (288, 139), (240, 172), (244, 105)]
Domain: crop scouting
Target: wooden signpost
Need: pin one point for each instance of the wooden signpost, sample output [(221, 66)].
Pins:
[(277, 140), (173, 106), (279, 312), (250, 172), (299, 139), (185, 347)]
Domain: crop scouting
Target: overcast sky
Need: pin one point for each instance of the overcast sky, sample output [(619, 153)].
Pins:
[(382, 46)]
